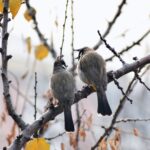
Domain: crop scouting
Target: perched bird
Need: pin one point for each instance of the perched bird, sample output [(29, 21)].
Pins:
[(92, 71), (63, 88)]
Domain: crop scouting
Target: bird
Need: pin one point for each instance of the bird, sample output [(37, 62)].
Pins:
[(92, 71), (63, 89)]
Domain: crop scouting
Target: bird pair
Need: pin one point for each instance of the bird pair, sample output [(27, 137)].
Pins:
[(92, 71)]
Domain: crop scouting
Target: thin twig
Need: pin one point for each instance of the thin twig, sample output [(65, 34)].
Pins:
[(25, 97), (130, 46), (38, 31), (61, 134), (72, 40), (142, 82), (73, 72), (111, 23), (146, 69), (115, 116), (5, 59), (35, 97), (121, 89), (86, 91), (64, 27), (132, 120), (131, 133), (111, 49)]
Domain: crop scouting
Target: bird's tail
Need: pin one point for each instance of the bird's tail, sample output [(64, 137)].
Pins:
[(69, 126), (103, 106)]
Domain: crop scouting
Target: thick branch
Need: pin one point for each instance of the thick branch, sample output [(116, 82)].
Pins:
[(51, 114), (5, 59)]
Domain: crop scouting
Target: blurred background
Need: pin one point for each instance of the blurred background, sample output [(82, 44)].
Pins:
[(89, 16)]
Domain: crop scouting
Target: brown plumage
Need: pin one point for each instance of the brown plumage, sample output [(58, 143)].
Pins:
[(92, 71)]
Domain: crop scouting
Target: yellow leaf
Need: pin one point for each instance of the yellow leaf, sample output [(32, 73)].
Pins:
[(14, 6), (41, 52), (29, 13), (1, 5), (37, 144), (28, 42)]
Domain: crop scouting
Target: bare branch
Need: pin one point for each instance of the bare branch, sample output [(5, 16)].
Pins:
[(130, 46), (132, 120), (140, 80), (121, 89), (35, 97), (61, 134), (4, 74), (130, 67), (64, 27), (51, 114), (111, 23), (115, 116), (73, 68), (110, 48), (39, 33)]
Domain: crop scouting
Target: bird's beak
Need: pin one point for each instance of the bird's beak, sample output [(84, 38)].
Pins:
[(77, 58), (77, 50)]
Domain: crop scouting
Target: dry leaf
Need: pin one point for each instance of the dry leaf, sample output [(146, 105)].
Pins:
[(115, 142), (82, 133), (12, 135), (3, 117), (14, 6), (29, 13), (117, 136), (89, 121), (113, 145), (52, 101), (41, 52), (28, 43), (102, 145), (62, 146), (73, 141), (37, 144), (136, 132)]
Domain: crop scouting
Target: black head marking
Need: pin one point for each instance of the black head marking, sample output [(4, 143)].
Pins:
[(60, 63), (81, 52)]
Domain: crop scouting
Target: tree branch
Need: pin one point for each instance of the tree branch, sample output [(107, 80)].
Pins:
[(4, 74), (138, 42), (39, 33), (115, 116), (86, 91), (111, 23)]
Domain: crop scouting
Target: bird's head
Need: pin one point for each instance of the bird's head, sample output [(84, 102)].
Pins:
[(60, 63), (83, 51)]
